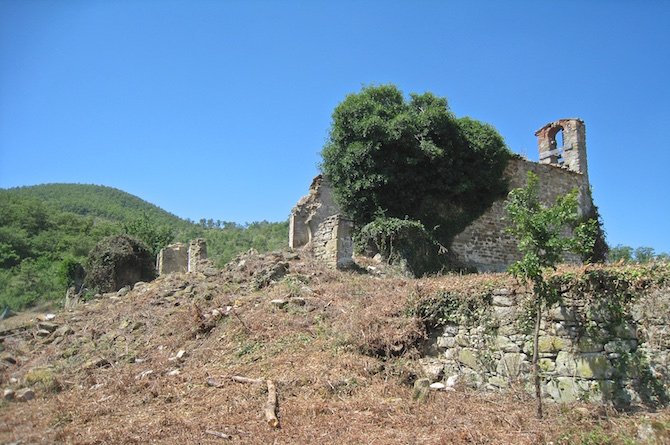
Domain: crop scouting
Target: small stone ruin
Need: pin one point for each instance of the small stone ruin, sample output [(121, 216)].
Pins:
[(182, 258), (317, 225)]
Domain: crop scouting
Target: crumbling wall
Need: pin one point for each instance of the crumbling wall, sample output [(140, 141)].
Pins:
[(172, 258), (333, 243), (197, 252), (590, 348), (180, 258), (312, 210), (483, 245)]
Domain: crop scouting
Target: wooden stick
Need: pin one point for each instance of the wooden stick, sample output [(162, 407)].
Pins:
[(240, 379), (219, 434), (271, 406)]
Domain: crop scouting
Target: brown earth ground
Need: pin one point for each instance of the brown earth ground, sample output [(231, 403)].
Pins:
[(343, 363)]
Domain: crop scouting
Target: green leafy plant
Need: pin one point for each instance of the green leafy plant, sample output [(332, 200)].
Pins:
[(545, 234), (391, 157)]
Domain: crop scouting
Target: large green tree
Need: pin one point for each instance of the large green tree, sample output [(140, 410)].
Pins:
[(388, 156)]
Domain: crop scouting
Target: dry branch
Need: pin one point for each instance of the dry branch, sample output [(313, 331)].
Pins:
[(219, 434), (271, 406), (240, 379)]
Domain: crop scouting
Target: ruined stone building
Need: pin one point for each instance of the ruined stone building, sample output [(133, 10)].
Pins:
[(181, 258), (317, 223)]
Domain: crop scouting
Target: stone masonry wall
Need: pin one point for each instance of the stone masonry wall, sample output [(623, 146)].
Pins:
[(172, 258), (485, 245), (588, 351), (180, 258), (310, 212), (333, 243)]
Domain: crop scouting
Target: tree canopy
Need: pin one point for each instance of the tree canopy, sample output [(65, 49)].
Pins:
[(392, 157)]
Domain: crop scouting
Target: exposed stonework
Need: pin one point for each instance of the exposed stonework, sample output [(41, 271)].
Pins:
[(172, 258), (197, 251), (484, 244), (572, 152), (588, 350), (310, 212), (181, 258), (332, 242)]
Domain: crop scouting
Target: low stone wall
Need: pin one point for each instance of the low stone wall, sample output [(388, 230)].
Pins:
[(614, 349), (332, 242)]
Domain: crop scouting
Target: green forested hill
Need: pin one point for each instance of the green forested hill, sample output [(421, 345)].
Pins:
[(46, 229), (97, 201)]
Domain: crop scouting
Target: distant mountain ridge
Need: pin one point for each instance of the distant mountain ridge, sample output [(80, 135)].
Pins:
[(97, 201)]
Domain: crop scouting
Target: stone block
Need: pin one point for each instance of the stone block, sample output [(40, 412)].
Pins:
[(512, 364), (552, 344), (589, 344), (563, 389), (593, 366), (469, 358)]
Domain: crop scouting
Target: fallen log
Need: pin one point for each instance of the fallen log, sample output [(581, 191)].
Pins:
[(271, 406)]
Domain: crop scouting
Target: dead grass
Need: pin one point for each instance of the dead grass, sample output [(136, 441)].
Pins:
[(343, 363)]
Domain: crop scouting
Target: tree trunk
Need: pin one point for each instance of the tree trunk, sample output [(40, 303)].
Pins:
[(536, 355)]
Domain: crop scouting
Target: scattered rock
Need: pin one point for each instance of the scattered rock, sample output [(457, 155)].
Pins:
[(437, 386), (297, 301), (421, 388), (278, 303), (8, 359), (178, 357), (123, 291), (143, 374), (452, 381), (173, 373), (25, 394), (8, 394), (42, 333), (44, 378), (47, 326), (97, 362), (63, 331)]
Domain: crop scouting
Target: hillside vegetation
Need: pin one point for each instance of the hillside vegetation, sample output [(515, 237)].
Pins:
[(46, 229), (154, 365)]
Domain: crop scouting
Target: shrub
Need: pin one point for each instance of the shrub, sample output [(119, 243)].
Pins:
[(405, 243), (118, 261)]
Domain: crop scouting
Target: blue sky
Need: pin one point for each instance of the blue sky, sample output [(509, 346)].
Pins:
[(219, 109)]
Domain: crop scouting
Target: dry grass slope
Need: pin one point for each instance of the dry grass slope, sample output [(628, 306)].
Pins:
[(341, 351)]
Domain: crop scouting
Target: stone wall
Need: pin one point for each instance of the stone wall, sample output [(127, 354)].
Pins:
[(485, 245), (181, 258), (591, 349), (197, 251), (310, 212), (332, 242), (172, 258)]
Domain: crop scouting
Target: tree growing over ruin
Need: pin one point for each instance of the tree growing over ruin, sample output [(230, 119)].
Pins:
[(545, 234), (392, 157)]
